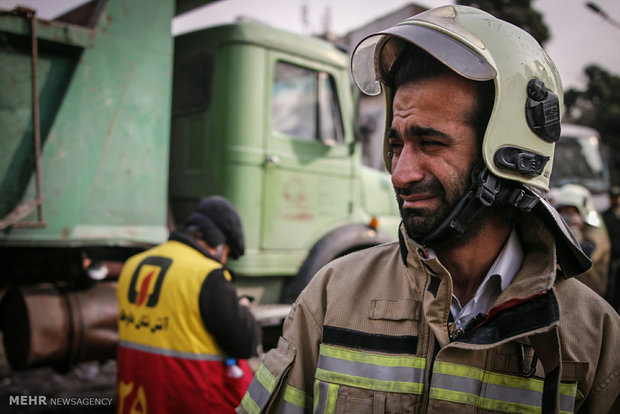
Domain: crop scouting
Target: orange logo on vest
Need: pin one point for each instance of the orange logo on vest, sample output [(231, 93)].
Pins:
[(148, 292)]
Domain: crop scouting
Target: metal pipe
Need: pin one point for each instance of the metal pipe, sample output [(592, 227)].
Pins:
[(36, 125), (35, 115), (46, 327)]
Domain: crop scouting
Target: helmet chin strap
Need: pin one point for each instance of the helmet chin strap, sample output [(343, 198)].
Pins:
[(512, 199), (485, 190)]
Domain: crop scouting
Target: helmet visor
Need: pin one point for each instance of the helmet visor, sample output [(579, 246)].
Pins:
[(374, 57)]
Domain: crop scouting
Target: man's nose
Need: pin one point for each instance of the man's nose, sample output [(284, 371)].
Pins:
[(407, 167)]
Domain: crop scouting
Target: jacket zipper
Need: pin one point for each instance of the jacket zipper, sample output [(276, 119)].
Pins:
[(427, 391), (469, 326)]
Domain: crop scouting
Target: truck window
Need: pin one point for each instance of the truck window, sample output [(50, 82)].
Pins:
[(192, 77), (305, 104), (578, 160)]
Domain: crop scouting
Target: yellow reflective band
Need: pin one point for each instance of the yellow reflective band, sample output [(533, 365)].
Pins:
[(488, 377), (375, 359), (506, 393), (266, 379), (391, 373), (369, 383), (568, 394), (330, 402), (325, 397), (532, 384), (259, 391), (296, 397), (570, 390), (481, 402), (316, 399), (249, 405)]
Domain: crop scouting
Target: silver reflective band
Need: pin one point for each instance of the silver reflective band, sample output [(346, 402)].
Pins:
[(325, 397), (260, 391), (391, 373), (504, 393), (295, 401)]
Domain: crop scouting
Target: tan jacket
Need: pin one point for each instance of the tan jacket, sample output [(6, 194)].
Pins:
[(597, 277), (372, 334)]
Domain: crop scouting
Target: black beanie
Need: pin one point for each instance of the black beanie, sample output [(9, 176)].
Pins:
[(218, 221)]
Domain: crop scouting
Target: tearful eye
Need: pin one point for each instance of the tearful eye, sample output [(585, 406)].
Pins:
[(395, 147)]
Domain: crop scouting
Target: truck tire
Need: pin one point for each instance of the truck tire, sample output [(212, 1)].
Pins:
[(337, 243)]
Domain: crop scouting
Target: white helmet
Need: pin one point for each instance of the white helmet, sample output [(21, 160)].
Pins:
[(525, 122), (575, 195)]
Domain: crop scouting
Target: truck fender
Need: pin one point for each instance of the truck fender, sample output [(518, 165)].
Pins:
[(337, 243)]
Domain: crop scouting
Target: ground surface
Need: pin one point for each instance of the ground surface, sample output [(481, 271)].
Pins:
[(88, 388)]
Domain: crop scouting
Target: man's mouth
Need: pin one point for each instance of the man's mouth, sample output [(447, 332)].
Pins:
[(416, 200)]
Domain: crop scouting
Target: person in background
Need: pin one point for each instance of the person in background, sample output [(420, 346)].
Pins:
[(611, 216), (574, 203), (474, 309), (184, 336)]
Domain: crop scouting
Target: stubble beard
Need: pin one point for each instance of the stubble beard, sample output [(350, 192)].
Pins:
[(419, 222)]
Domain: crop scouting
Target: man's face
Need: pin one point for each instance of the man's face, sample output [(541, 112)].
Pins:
[(434, 149)]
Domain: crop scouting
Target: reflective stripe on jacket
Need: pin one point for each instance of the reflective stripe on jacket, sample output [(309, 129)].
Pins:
[(167, 361), (372, 334)]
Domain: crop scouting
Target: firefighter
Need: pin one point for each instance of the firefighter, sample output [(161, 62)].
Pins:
[(184, 337), (611, 216), (474, 308), (574, 203)]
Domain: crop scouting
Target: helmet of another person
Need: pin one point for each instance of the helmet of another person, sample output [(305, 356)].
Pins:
[(524, 125), (574, 195)]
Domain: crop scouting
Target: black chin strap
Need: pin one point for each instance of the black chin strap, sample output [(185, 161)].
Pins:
[(512, 199), (485, 190)]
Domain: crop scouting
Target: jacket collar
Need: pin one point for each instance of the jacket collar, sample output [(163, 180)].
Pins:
[(182, 237), (537, 274), (531, 290)]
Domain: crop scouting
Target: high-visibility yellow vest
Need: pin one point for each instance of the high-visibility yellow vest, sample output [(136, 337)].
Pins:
[(167, 361)]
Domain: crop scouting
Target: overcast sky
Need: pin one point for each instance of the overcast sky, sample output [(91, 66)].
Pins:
[(579, 36)]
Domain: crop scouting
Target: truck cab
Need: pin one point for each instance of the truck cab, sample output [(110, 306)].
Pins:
[(113, 131), (266, 118)]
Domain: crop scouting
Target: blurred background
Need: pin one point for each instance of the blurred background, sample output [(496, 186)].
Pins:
[(583, 39)]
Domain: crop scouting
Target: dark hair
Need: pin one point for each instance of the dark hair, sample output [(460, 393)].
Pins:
[(415, 64)]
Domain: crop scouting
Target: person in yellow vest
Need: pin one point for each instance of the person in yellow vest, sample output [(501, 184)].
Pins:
[(184, 336), (474, 309)]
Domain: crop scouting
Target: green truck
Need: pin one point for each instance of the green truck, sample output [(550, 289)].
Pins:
[(111, 133)]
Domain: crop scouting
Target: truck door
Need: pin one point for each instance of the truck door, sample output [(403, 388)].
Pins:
[(308, 166)]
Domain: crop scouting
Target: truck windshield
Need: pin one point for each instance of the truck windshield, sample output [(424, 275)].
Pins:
[(578, 160)]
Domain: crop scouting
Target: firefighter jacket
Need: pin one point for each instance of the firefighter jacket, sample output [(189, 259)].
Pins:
[(171, 353), (372, 333), (596, 278)]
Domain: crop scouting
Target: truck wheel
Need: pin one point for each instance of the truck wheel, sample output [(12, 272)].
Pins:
[(335, 244)]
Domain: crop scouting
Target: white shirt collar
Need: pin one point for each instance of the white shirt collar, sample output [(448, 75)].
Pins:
[(499, 276)]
